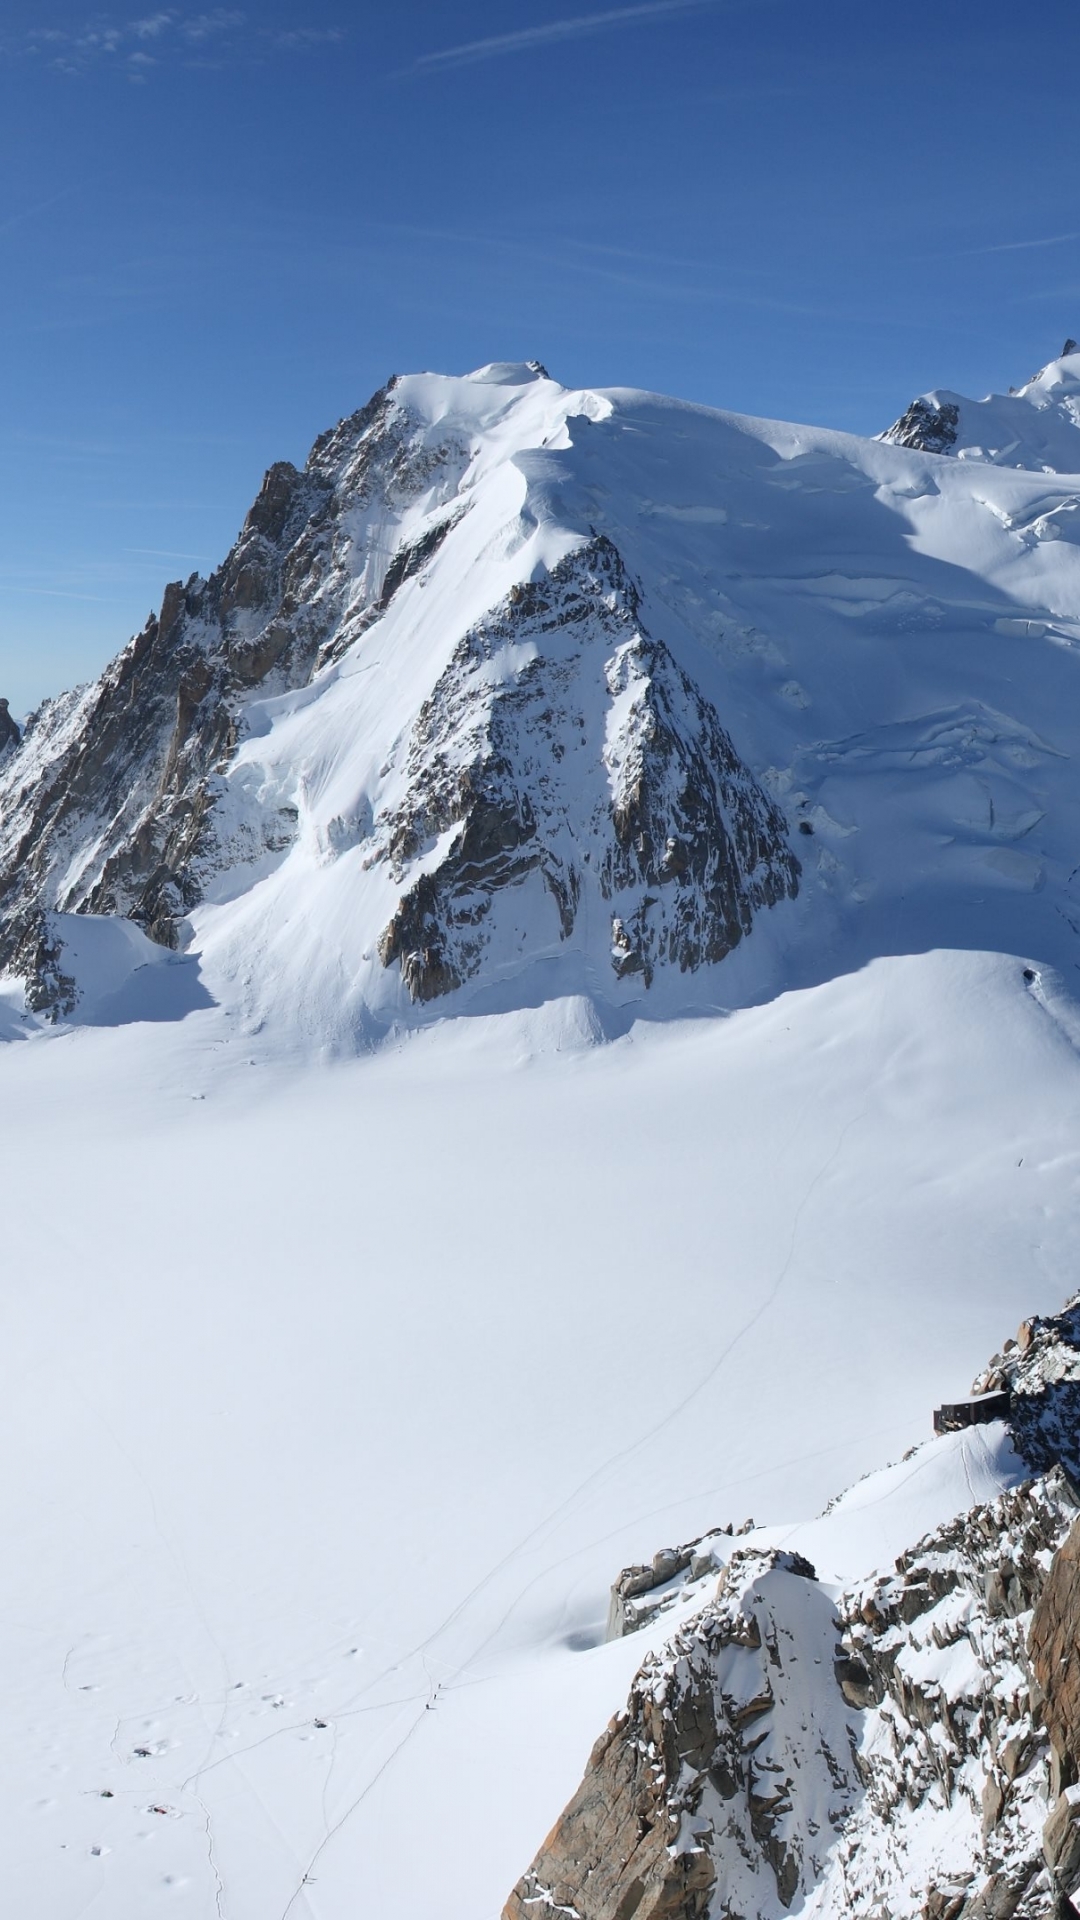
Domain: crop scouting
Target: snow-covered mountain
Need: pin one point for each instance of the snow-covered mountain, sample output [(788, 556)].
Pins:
[(363, 1315), (1032, 426), (516, 692)]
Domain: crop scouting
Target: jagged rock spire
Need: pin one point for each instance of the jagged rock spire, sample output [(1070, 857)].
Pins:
[(10, 734)]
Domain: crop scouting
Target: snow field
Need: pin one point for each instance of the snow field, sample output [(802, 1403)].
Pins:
[(340, 1395)]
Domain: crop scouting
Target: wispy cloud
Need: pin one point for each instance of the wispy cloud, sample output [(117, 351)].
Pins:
[(168, 36), (152, 27), (165, 553), (1022, 246), (40, 206), (552, 33), (705, 290), (286, 38), (1069, 293), (57, 593)]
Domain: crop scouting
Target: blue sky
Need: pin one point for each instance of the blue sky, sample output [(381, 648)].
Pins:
[(220, 230)]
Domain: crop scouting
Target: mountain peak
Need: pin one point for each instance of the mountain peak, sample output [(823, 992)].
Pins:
[(1036, 425), (515, 693), (509, 373)]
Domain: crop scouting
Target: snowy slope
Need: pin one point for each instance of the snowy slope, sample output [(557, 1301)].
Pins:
[(1036, 426), (341, 1396), (340, 1392), (520, 692)]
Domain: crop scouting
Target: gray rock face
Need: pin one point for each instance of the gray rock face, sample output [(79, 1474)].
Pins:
[(589, 764), (695, 1800), (109, 804), (928, 425), (532, 777), (9, 731), (893, 1753)]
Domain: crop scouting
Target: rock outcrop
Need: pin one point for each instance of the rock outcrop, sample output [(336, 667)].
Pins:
[(1033, 426), (112, 805), (597, 759), (10, 734), (929, 425), (910, 1748), (710, 1787), (1055, 1659), (1040, 1371)]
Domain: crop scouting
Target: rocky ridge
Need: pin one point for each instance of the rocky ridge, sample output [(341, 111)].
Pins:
[(113, 802), (681, 840), (560, 750), (909, 1746), (1035, 426), (930, 425)]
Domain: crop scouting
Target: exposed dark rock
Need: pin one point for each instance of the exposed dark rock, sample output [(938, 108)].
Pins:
[(409, 560), (931, 426), (704, 1758), (110, 803), (1055, 1655), (9, 730), (49, 990), (724, 1775), (685, 845)]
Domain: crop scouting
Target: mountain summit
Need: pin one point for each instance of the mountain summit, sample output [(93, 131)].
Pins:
[(1036, 426), (516, 692)]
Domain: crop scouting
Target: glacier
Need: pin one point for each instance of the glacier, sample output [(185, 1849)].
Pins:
[(539, 1021)]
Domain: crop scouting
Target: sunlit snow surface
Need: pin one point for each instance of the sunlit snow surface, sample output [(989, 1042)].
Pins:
[(340, 1394), (336, 1391)]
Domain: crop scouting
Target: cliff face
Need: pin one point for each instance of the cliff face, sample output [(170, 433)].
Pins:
[(906, 1746), (719, 1787), (597, 761), (554, 750), (1055, 1660), (113, 802)]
